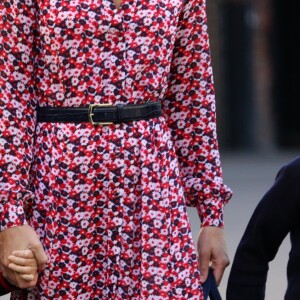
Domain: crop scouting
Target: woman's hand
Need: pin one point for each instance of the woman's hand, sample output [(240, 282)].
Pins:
[(16, 238), (212, 252)]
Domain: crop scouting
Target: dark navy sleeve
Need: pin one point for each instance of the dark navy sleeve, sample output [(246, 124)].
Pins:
[(274, 217)]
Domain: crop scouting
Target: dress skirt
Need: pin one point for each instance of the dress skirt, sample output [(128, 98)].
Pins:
[(111, 214)]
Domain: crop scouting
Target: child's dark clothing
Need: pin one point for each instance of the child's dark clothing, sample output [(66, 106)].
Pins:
[(5, 287), (276, 215)]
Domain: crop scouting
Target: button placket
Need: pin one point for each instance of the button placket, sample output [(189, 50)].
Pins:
[(118, 49), (119, 21), (127, 20)]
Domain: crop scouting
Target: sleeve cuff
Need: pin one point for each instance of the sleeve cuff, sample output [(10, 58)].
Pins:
[(211, 213), (12, 214), (209, 198)]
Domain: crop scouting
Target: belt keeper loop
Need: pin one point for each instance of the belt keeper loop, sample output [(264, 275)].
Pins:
[(120, 109)]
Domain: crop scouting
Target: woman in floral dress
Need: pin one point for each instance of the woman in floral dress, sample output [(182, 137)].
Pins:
[(108, 202)]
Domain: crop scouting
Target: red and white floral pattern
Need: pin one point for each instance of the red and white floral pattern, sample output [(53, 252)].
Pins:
[(109, 202)]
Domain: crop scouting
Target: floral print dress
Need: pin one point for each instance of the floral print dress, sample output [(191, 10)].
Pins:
[(109, 202)]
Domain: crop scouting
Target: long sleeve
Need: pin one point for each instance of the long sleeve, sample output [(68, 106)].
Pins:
[(190, 110), (17, 108)]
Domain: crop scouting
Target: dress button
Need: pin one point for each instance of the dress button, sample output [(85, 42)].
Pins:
[(117, 18)]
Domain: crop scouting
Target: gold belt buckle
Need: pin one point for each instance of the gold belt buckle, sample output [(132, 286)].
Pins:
[(91, 113)]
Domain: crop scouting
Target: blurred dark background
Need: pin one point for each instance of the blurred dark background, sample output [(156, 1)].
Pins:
[(256, 66)]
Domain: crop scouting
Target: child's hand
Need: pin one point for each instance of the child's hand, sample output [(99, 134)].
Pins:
[(24, 263)]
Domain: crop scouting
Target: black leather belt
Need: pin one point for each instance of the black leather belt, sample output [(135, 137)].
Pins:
[(100, 114)]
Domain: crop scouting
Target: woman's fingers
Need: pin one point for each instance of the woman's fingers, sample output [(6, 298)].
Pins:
[(22, 261), (24, 264), (22, 269), (27, 277), (18, 260), (23, 253)]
